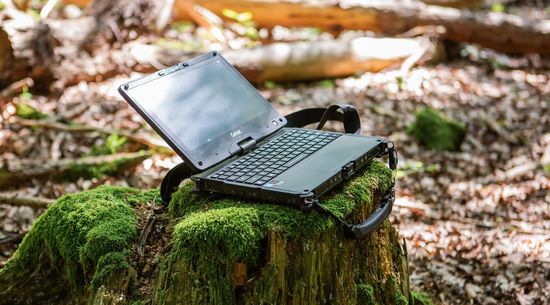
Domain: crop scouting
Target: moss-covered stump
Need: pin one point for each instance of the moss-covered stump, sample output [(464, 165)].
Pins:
[(106, 246)]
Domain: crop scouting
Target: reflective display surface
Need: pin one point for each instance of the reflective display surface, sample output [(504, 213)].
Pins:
[(201, 103)]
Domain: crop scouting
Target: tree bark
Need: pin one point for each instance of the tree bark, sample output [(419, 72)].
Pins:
[(85, 249)]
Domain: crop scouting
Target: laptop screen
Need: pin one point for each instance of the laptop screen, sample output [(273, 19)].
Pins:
[(198, 106), (202, 108)]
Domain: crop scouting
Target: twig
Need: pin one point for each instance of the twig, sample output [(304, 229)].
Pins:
[(494, 126), (21, 200), (13, 238), (16, 88), (521, 169), (151, 219)]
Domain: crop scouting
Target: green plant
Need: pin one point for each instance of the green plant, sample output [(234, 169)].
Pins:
[(327, 83), (184, 26), (25, 94), (420, 298), (113, 144), (498, 8), (26, 111), (244, 19), (270, 84)]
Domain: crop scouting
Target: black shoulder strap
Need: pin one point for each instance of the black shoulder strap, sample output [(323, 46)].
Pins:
[(349, 117)]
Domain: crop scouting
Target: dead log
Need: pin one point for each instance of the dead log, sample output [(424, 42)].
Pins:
[(502, 32), (305, 60), (71, 169), (85, 250)]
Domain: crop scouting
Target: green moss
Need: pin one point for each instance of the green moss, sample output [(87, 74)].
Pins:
[(108, 264), (238, 226), (365, 295), (420, 298), (401, 300), (392, 291), (436, 131), (88, 234)]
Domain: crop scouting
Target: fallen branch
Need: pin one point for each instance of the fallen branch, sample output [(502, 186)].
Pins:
[(70, 169), (305, 60), (144, 139), (21, 200)]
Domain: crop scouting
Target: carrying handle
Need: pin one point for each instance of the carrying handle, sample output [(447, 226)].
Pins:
[(375, 219), (372, 222)]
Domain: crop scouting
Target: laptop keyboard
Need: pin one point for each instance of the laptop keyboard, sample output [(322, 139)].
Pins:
[(276, 156)]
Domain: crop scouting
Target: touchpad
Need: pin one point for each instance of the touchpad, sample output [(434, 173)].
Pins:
[(326, 162)]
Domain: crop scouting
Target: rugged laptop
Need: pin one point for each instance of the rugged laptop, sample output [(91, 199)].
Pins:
[(235, 142)]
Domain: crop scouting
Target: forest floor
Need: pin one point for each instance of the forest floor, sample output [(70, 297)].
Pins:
[(476, 221)]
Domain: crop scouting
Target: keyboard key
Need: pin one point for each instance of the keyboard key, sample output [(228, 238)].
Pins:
[(275, 156)]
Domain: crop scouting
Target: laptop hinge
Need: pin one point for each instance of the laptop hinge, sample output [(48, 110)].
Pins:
[(247, 144)]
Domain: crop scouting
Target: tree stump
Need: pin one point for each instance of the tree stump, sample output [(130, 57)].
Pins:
[(117, 245)]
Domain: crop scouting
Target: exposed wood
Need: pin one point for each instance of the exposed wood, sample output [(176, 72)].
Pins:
[(239, 274), (70, 168), (306, 60), (323, 59), (21, 200)]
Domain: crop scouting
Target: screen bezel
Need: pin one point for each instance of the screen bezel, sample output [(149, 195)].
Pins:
[(220, 148)]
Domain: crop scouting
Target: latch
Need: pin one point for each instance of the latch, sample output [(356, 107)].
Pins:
[(348, 170)]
